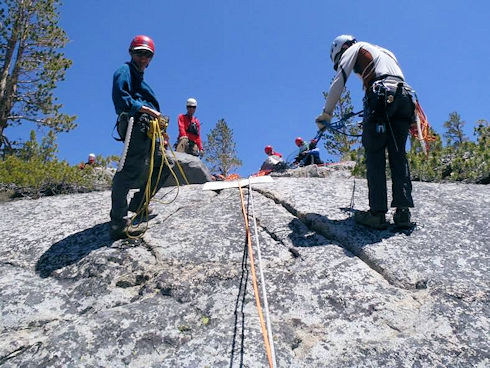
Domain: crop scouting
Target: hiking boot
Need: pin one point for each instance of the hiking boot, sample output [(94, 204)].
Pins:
[(143, 216), (402, 218), (133, 208), (375, 220), (125, 231)]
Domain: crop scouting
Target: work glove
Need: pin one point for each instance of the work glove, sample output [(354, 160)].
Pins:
[(163, 121), (322, 120)]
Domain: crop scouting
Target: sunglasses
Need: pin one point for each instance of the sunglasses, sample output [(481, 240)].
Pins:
[(191, 107), (142, 53)]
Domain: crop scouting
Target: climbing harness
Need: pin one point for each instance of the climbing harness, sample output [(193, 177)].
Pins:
[(384, 98), (266, 333), (157, 131), (421, 130)]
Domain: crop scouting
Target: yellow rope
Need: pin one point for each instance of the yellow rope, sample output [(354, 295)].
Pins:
[(179, 167)]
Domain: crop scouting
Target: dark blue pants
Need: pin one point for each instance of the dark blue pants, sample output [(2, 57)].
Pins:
[(134, 173), (396, 118)]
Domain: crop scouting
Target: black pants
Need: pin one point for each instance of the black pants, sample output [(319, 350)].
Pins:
[(134, 173), (396, 118)]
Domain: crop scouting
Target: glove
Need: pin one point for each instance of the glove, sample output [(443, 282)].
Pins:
[(322, 121), (163, 121), (321, 125)]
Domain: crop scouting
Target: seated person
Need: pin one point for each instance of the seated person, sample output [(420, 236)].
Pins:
[(274, 161), (189, 139), (90, 162), (308, 154)]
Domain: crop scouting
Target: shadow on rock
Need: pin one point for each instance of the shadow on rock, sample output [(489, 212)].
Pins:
[(73, 248), (344, 232)]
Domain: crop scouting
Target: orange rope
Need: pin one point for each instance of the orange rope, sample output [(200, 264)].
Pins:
[(232, 177), (424, 127), (254, 281), (262, 173)]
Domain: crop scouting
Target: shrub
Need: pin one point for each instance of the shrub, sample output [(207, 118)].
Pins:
[(36, 177)]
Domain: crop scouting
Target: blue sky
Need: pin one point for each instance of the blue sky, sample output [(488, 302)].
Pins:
[(262, 65)]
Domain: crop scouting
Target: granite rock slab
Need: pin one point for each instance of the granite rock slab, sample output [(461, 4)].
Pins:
[(339, 295)]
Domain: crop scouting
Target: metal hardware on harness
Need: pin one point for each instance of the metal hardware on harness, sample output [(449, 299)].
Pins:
[(162, 123)]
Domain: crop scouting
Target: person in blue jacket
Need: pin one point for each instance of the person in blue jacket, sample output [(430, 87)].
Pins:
[(136, 105)]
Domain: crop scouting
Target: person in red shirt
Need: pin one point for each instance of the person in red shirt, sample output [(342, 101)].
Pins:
[(270, 151), (189, 140), (274, 161), (90, 162)]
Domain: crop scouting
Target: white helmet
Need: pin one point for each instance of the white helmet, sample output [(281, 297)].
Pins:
[(92, 155), (191, 102), (335, 50)]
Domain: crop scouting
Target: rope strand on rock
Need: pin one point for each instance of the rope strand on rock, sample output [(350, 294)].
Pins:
[(262, 279), (254, 281)]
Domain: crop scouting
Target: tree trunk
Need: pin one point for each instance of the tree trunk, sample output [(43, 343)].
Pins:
[(8, 83), (5, 107)]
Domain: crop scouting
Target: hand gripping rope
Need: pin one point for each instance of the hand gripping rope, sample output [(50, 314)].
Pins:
[(266, 331), (157, 131), (337, 126), (334, 127)]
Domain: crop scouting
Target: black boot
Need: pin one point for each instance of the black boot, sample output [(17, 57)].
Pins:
[(402, 218), (376, 220)]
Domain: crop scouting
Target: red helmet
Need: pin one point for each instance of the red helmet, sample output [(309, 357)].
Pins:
[(299, 141), (268, 149), (142, 42)]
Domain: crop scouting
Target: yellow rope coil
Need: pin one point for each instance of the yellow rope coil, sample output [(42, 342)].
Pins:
[(157, 131)]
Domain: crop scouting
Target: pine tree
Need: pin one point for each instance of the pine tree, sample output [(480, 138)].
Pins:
[(339, 144), (30, 66), (46, 151), (482, 133), (220, 150), (454, 134), (423, 168), (481, 155)]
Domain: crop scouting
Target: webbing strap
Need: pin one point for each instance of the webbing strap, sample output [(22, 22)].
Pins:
[(384, 76)]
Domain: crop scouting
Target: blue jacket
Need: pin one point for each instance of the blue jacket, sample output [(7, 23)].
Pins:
[(130, 92)]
